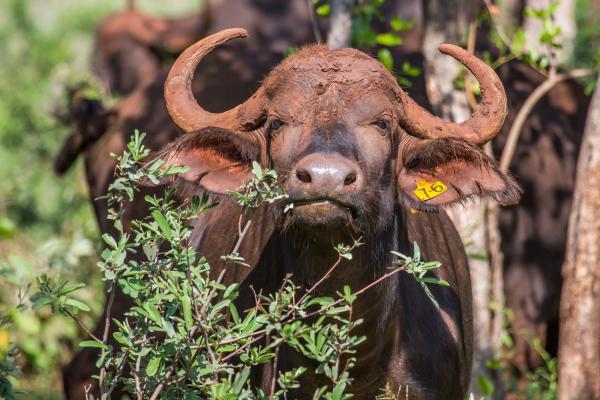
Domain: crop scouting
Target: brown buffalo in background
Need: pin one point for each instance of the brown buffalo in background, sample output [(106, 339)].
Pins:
[(534, 233)]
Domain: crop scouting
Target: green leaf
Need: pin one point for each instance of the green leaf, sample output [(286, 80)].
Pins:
[(257, 170), (486, 385), (238, 384), (162, 223), (7, 228), (385, 57), (109, 240), (478, 256), (41, 302), (388, 39), (399, 25), (121, 339), (93, 344), (70, 288), (187, 311), (77, 304), (152, 367), (323, 11), (338, 391), (153, 313), (411, 70), (150, 250)]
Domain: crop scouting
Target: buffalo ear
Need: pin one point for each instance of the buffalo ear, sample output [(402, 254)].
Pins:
[(440, 172), (218, 160)]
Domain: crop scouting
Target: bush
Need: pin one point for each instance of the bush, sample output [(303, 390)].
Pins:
[(184, 336)]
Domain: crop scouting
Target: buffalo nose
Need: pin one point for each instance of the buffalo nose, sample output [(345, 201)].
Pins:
[(327, 174)]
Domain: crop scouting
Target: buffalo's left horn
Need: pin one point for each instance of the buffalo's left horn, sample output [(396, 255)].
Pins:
[(183, 107), (486, 120)]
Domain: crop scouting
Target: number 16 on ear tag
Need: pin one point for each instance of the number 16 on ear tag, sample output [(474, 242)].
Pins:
[(428, 190)]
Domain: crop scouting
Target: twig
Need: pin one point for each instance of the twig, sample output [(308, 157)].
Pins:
[(525, 110), (274, 377), (313, 22), (115, 378), (160, 386), (138, 386), (82, 327), (111, 300), (260, 336), (361, 291), (324, 277), (471, 42), (211, 354), (499, 29), (222, 274)]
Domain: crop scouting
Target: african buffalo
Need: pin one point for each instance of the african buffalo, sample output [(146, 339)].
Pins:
[(534, 232), (131, 46), (352, 150), (123, 50)]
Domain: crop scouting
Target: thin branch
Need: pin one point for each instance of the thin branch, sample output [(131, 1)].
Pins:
[(327, 274), (471, 42), (160, 386), (222, 274), (493, 10), (211, 353), (260, 335), (525, 110), (274, 377), (111, 300), (82, 326), (115, 379), (313, 22), (136, 374)]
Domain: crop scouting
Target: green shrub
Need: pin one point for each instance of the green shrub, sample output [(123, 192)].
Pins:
[(184, 336)]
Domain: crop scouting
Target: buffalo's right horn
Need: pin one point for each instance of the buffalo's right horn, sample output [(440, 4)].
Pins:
[(183, 107), (487, 118)]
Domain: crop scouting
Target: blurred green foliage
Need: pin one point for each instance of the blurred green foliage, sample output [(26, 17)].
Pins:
[(586, 52), (46, 221)]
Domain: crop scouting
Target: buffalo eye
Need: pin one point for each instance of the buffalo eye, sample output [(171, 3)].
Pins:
[(276, 124), (382, 124)]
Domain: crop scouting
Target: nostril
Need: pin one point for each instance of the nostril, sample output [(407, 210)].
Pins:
[(303, 176), (350, 179)]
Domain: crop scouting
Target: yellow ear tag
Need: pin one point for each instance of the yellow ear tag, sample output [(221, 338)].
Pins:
[(427, 191)]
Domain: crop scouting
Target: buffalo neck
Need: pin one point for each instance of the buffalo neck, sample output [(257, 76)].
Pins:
[(377, 307)]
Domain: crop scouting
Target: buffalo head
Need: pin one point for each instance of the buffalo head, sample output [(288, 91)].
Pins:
[(347, 141), (131, 45)]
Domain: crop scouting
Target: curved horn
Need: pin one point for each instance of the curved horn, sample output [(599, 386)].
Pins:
[(486, 120), (183, 107)]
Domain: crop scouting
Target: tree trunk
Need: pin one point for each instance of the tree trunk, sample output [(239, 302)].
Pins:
[(564, 17), (441, 26), (579, 346), (340, 31)]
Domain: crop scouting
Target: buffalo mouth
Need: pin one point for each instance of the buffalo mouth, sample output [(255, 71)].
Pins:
[(321, 211)]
